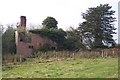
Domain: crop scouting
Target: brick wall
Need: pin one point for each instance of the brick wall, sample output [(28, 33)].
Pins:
[(39, 41), (24, 49)]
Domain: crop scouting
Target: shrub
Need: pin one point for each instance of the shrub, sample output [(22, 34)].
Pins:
[(45, 47)]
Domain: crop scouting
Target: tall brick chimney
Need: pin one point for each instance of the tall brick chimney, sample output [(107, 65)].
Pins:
[(23, 21)]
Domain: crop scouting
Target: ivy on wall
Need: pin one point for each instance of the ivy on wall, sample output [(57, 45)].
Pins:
[(56, 35)]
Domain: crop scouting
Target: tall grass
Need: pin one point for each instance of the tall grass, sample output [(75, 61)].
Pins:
[(68, 54), (14, 59)]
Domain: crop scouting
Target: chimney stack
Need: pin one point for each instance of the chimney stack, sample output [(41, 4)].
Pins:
[(23, 21)]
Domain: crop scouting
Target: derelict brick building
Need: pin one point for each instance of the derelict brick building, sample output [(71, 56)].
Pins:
[(26, 42)]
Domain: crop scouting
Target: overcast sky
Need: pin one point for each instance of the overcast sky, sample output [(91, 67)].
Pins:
[(66, 12)]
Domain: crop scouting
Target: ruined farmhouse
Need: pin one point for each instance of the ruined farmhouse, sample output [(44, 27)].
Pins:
[(28, 42)]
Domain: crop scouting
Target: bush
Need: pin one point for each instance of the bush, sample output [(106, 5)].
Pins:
[(46, 47), (117, 45)]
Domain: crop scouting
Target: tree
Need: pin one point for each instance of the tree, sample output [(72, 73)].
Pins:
[(8, 41), (50, 22), (98, 26), (73, 40)]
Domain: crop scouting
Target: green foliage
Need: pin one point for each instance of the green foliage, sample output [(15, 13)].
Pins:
[(73, 39), (25, 37), (50, 22), (69, 40), (98, 27), (117, 46), (8, 41), (46, 47), (56, 35)]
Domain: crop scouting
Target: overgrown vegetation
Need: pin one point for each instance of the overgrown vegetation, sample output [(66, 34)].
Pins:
[(74, 40), (8, 41), (117, 46), (56, 35), (95, 32), (13, 59)]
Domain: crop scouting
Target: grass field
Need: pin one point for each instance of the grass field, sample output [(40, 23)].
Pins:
[(67, 68)]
